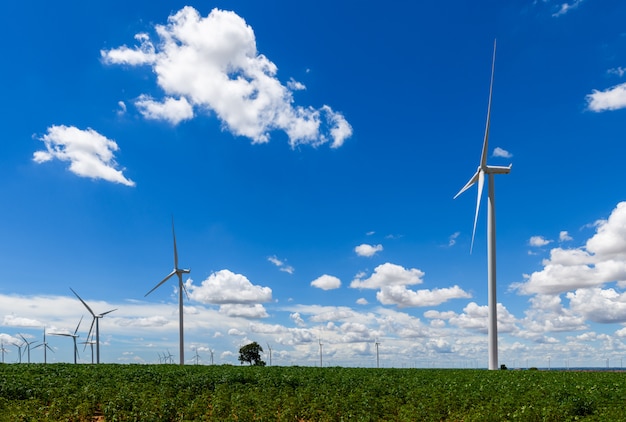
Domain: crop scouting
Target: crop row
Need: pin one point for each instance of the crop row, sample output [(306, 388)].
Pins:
[(232, 393)]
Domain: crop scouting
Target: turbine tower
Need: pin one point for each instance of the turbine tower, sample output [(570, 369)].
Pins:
[(179, 272), (95, 320), (479, 176)]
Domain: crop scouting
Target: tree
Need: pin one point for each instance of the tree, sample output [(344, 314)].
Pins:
[(251, 353)]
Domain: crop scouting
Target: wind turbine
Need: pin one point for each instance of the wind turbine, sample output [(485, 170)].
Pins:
[(74, 336), (179, 272), (479, 176), (28, 343), (321, 344), (96, 317), (19, 351), (45, 347), (270, 349), (377, 361), (3, 350)]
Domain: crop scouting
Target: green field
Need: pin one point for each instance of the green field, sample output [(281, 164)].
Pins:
[(65, 392)]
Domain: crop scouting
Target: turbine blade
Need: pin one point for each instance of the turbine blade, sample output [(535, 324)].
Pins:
[(468, 184), (181, 285), (161, 282), (483, 157), (107, 312), (175, 250), (81, 320), (86, 306), (91, 328), (481, 182)]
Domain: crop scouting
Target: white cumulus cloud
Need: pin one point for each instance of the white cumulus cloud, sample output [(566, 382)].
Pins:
[(170, 109), (601, 260), (326, 282), (211, 64), (89, 153), (538, 241), (225, 287), (499, 152), (613, 98), (388, 275), (403, 297), (367, 250)]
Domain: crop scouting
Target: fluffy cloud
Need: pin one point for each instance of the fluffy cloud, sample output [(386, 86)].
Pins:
[(602, 260), (599, 305), (367, 250), (244, 310), (90, 154), (326, 282), (170, 109), (389, 275), (613, 98), (538, 241), (403, 297), (499, 152), (391, 280), (564, 236), (475, 317), (211, 64), (225, 287)]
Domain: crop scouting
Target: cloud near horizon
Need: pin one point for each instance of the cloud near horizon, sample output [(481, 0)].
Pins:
[(602, 260), (211, 64), (391, 281)]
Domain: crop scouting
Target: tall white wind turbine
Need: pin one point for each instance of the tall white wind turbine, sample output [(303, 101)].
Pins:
[(179, 272), (96, 318), (479, 176)]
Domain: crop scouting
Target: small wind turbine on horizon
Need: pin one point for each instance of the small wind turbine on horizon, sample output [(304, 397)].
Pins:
[(95, 320), (479, 177), (74, 337), (3, 350), (45, 347), (377, 361), (27, 343), (270, 352), (178, 272), (19, 351)]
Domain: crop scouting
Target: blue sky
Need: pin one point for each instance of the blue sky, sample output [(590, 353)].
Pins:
[(309, 154)]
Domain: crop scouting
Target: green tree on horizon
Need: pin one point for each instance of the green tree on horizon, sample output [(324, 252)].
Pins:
[(251, 353)]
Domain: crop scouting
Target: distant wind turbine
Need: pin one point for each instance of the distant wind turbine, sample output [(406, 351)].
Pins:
[(321, 344), (270, 351), (45, 347), (19, 351), (377, 361), (179, 272), (3, 350), (479, 177), (27, 343), (96, 318), (74, 337)]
